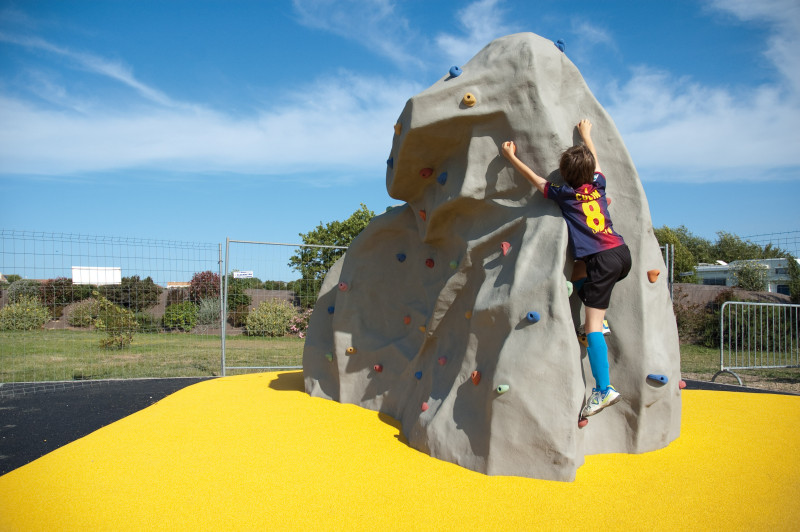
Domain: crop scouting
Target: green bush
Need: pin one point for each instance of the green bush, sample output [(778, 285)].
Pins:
[(182, 316), (21, 288), (237, 297), (133, 293), (237, 317), (26, 314), (208, 312), (84, 314), (177, 295), (118, 323), (270, 318), (147, 322)]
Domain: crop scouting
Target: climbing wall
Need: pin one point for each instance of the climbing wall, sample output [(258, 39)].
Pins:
[(453, 313)]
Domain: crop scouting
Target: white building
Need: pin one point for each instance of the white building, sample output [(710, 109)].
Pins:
[(722, 274)]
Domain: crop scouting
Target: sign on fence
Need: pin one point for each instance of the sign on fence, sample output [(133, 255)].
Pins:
[(243, 274)]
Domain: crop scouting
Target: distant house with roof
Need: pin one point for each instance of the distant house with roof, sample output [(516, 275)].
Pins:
[(722, 274)]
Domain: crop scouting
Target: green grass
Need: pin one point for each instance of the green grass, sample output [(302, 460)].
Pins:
[(705, 361), (27, 356)]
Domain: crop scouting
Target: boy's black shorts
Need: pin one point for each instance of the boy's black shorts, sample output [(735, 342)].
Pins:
[(603, 271)]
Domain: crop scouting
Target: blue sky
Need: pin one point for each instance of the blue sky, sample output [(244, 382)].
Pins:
[(199, 120)]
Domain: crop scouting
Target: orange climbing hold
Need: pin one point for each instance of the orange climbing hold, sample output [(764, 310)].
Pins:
[(468, 314), (682, 384), (423, 214), (652, 275), (422, 328), (398, 128), (476, 377), (505, 247), (425, 173)]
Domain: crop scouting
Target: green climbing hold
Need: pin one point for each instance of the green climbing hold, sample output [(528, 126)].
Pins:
[(501, 389), (569, 289)]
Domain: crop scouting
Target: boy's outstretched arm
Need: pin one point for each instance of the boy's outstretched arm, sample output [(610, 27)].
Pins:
[(585, 129), (509, 152)]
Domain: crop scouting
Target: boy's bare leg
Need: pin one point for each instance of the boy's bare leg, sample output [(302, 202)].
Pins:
[(578, 270), (594, 319)]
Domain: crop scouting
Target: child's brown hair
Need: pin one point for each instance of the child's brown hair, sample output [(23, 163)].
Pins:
[(577, 166)]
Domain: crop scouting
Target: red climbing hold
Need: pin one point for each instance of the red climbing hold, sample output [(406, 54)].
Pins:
[(682, 384), (423, 215), (429, 263), (476, 377), (424, 406), (442, 361), (407, 320), (343, 286), (425, 173), (506, 246), (378, 368), (583, 422)]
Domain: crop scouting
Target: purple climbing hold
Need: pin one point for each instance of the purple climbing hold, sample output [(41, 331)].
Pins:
[(455, 71), (442, 179), (561, 45)]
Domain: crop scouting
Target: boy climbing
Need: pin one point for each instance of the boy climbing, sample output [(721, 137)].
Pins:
[(595, 246)]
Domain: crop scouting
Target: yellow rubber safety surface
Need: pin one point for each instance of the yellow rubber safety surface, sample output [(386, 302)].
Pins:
[(254, 452)]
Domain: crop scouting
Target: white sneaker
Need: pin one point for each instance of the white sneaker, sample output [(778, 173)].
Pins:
[(600, 400)]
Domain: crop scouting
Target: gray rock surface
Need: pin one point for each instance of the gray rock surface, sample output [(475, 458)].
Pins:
[(420, 330)]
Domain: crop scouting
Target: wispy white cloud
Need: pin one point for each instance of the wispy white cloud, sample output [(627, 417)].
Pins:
[(481, 22), (678, 129), (375, 24)]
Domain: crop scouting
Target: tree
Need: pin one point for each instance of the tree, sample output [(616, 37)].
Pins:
[(313, 263), (730, 247), (133, 293), (685, 261), (750, 275)]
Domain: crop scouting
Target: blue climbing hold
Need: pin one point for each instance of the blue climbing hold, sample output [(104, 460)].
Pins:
[(658, 378), (390, 162), (532, 317), (418, 375), (561, 45), (442, 179), (401, 257), (455, 71), (331, 309)]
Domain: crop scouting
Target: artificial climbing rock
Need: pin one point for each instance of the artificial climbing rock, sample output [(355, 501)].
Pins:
[(525, 90)]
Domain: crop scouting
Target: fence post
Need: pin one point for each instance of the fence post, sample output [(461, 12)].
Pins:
[(224, 301), (221, 315)]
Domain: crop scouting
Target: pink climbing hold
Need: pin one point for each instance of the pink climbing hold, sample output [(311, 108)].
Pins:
[(583, 422), (682, 384), (429, 263), (442, 361), (423, 214), (343, 286), (425, 173), (506, 246), (424, 407), (378, 368)]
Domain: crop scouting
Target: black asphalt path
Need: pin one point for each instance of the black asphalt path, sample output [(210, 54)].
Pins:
[(36, 419)]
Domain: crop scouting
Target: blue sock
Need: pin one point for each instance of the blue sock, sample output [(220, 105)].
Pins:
[(578, 283), (598, 359)]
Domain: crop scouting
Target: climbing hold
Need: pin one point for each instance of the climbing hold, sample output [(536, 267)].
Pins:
[(425, 173), (423, 214), (422, 328), (329, 356), (331, 309), (501, 389), (505, 246), (532, 317), (468, 314), (343, 286), (561, 45), (583, 422), (682, 384), (429, 263), (652, 275), (455, 71), (476, 377), (351, 350), (378, 368), (442, 361), (658, 378), (398, 128), (442, 179), (390, 162), (407, 320), (418, 375), (453, 264), (401, 257), (469, 99), (570, 288), (424, 407)]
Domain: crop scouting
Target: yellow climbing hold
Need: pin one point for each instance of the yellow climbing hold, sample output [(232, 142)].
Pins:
[(398, 128), (468, 314), (351, 350), (469, 99)]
